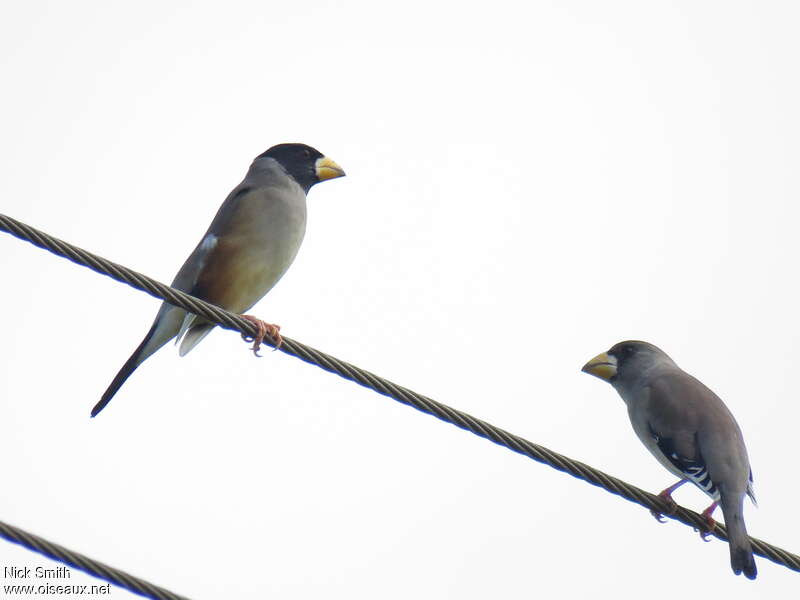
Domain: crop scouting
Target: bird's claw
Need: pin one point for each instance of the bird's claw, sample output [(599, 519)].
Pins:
[(711, 524), (264, 328), (671, 507), (705, 532)]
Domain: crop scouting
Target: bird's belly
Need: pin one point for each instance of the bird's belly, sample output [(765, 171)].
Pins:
[(254, 271), (256, 275)]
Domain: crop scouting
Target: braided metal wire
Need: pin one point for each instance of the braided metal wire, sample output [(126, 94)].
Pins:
[(392, 390), (85, 564)]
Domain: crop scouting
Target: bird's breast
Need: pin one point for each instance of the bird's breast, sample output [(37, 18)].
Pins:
[(255, 250)]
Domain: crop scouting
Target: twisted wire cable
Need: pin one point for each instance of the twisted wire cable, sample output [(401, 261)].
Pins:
[(369, 380), (85, 564)]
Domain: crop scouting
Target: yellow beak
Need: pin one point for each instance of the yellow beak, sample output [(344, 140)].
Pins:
[(602, 366), (328, 169)]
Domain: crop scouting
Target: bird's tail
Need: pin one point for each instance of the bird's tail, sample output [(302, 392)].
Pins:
[(742, 560), (194, 336), (164, 329)]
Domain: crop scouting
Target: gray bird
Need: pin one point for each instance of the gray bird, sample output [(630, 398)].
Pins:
[(689, 430), (248, 247)]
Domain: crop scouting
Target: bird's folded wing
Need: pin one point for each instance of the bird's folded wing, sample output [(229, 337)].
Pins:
[(191, 271), (694, 469)]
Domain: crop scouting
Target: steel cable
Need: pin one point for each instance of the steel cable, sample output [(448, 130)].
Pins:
[(85, 564), (387, 388)]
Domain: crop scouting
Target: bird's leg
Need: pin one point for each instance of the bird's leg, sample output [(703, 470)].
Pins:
[(264, 328), (710, 522), (666, 495)]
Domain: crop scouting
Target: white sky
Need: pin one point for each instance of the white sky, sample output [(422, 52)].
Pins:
[(528, 183)]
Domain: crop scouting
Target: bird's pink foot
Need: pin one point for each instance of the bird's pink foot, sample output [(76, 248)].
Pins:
[(711, 524), (264, 328), (666, 495)]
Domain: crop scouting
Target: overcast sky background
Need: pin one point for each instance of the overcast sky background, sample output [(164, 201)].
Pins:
[(528, 183)]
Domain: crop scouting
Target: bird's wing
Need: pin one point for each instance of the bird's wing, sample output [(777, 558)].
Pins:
[(694, 469), (192, 269), (206, 253), (673, 421)]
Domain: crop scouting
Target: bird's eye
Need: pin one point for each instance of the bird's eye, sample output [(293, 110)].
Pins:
[(306, 153)]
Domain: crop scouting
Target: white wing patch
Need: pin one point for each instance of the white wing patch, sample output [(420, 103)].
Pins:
[(208, 243)]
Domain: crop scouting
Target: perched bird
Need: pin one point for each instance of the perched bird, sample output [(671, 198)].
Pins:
[(689, 430), (250, 244)]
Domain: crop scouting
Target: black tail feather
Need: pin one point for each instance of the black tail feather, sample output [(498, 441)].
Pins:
[(127, 369), (742, 561)]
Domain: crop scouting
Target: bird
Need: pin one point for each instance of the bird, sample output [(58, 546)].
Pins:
[(248, 247), (689, 430)]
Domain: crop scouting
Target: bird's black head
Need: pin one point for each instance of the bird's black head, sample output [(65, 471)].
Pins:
[(625, 360), (632, 350), (305, 164)]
